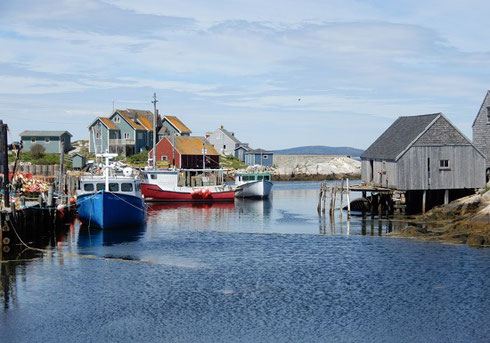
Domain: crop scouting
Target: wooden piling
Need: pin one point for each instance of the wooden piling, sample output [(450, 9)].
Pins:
[(348, 198), (341, 197)]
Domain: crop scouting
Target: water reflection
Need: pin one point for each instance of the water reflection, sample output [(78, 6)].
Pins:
[(93, 237)]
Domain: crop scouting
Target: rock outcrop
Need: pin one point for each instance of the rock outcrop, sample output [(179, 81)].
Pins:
[(464, 221)]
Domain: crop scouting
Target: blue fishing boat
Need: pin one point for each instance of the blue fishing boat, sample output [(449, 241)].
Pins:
[(110, 201)]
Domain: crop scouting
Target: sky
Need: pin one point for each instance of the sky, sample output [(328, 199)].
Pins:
[(279, 74)]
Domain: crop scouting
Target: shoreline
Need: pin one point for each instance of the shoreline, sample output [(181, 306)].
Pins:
[(463, 221), (315, 177)]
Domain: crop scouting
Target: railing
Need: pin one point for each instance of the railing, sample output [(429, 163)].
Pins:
[(121, 141)]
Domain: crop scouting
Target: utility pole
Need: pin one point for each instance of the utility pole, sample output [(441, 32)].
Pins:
[(155, 114), (173, 150), (60, 179), (203, 155), (5, 163)]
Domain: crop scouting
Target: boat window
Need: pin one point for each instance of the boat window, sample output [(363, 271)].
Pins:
[(153, 176), (88, 187), (260, 177), (267, 177), (114, 187), (138, 187), (100, 186), (127, 187)]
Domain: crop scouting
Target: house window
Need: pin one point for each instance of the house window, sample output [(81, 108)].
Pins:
[(488, 114), (265, 157), (98, 135), (126, 135), (117, 120), (46, 139), (224, 146), (164, 158), (444, 164), (33, 139)]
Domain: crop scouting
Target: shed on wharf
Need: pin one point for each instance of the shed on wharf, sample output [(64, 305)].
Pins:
[(428, 158)]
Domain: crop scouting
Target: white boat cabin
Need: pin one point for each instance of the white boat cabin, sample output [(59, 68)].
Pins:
[(123, 185), (184, 177), (241, 178)]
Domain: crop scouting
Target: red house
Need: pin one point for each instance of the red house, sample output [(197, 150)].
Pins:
[(187, 152)]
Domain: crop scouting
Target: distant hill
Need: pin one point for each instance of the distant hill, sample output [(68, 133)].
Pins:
[(320, 150)]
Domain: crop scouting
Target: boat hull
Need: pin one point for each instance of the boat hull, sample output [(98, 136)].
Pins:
[(254, 189), (154, 193), (110, 210)]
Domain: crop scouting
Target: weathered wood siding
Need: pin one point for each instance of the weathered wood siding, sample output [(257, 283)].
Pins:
[(481, 130), (385, 173), (466, 168)]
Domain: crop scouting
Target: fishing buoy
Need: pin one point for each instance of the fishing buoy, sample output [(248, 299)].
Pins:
[(72, 200), (6, 249), (6, 241)]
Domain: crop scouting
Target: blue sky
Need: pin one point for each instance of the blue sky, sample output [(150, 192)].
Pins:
[(355, 65)]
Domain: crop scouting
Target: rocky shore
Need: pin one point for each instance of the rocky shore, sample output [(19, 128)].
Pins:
[(463, 221), (314, 168)]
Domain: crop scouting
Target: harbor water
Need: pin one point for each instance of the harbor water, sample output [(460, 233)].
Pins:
[(248, 271)]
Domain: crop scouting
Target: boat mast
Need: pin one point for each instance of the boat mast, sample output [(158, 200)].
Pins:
[(154, 131)]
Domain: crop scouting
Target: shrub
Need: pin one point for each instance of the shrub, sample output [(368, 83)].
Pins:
[(37, 151)]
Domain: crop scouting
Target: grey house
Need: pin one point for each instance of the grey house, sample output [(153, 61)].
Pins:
[(259, 156), (425, 153), (224, 141), (481, 132), (50, 140)]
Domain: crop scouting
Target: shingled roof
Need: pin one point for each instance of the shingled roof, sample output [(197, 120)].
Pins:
[(192, 145), (175, 122), (44, 133), (399, 136)]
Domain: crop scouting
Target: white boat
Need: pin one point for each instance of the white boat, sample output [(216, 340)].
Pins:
[(253, 185)]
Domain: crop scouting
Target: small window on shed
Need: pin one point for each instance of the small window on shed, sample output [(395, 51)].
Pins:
[(46, 139), (444, 164), (488, 114), (88, 187), (164, 158), (265, 157), (33, 139), (126, 187)]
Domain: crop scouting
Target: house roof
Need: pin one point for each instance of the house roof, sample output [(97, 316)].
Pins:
[(180, 126), (230, 135), (128, 117), (483, 103), (145, 123), (108, 123), (259, 151), (399, 136), (192, 145), (243, 146), (44, 133)]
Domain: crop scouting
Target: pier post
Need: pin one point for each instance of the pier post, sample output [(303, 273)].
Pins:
[(380, 206), (348, 198), (4, 149), (424, 197), (320, 194), (324, 195), (341, 197), (446, 196)]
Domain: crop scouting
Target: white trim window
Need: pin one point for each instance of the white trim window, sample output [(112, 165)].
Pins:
[(444, 164), (33, 139), (164, 158), (488, 114), (117, 119), (127, 135), (46, 140), (98, 135), (265, 157)]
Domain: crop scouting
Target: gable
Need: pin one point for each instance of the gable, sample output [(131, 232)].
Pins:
[(177, 124), (442, 132), (482, 115), (398, 137)]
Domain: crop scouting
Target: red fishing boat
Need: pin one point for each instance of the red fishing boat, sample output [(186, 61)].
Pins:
[(200, 185)]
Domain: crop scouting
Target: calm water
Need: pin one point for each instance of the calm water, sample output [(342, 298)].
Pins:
[(251, 271)]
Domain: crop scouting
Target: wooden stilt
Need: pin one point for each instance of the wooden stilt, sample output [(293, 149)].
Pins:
[(341, 197), (424, 197), (348, 199), (446, 196)]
